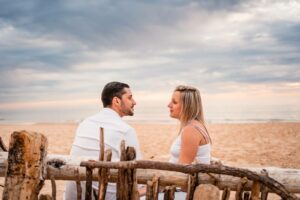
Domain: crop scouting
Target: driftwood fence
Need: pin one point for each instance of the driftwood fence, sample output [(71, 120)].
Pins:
[(26, 166)]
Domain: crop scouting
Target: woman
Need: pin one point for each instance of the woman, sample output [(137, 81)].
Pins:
[(193, 143)]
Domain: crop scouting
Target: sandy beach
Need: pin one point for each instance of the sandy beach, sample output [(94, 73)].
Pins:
[(262, 144)]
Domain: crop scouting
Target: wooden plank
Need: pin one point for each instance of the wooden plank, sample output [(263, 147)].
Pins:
[(63, 167), (271, 183)]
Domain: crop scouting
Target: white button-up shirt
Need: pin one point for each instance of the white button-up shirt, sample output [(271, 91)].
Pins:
[(87, 142)]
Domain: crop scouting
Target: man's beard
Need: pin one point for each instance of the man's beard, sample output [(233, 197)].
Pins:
[(127, 111)]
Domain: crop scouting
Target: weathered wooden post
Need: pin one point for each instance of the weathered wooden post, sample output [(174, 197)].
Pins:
[(126, 184), (192, 183), (122, 184), (255, 190), (88, 186), (26, 165), (104, 176), (226, 193), (149, 193), (155, 181), (2, 145), (169, 193), (264, 189), (240, 188)]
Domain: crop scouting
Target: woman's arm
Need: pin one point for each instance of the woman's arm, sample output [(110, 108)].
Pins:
[(190, 140)]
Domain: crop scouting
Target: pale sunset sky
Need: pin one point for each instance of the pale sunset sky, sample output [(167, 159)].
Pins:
[(56, 56)]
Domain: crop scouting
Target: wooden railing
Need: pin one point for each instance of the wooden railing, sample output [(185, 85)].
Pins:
[(26, 166)]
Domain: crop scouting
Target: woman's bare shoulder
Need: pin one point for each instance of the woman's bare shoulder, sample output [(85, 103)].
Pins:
[(190, 131)]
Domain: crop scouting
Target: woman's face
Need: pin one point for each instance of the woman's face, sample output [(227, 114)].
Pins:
[(175, 105)]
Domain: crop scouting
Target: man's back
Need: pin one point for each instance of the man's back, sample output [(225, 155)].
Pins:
[(87, 142)]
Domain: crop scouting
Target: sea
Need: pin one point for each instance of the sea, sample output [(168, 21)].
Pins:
[(157, 114)]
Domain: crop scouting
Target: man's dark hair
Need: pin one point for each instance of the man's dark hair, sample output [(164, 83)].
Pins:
[(111, 90)]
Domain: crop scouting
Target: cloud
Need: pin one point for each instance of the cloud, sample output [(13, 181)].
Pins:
[(69, 49), (113, 60)]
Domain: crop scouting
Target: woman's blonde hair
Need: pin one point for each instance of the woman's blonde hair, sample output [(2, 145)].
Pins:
[(191, 105)]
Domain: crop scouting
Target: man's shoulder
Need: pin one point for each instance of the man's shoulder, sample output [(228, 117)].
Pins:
[(107, 121)]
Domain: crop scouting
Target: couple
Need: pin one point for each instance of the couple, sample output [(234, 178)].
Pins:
[(191, 145)]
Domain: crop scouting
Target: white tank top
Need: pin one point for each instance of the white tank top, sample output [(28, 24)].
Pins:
[(203, 152)]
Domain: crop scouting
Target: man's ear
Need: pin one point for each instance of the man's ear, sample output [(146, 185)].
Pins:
[(116, 100)]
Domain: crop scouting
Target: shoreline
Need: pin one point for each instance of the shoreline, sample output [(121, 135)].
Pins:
[(157, 122)]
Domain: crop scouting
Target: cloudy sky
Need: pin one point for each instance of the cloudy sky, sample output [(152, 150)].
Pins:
[(59, 54)]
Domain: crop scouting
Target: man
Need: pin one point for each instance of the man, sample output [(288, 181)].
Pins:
[(117, 101)]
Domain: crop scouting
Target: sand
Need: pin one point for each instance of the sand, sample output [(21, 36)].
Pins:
[(263, 144)]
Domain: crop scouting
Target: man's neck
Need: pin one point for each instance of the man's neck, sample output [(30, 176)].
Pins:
[(116, 110)]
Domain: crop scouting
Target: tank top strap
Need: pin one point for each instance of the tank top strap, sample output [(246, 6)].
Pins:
[(203, 132)]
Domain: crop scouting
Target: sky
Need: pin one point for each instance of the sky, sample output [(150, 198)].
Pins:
[(58, 55)]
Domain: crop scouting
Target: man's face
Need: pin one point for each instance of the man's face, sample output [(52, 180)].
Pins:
[(127, 103)]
